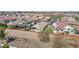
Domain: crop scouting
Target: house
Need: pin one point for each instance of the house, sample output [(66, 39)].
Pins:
[(5, 19), (67, 19), (26, 25), (66, 25), (69, 30), (39, 26)]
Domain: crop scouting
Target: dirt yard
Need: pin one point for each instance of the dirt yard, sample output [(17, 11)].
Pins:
[(21, 34), (27, 39)]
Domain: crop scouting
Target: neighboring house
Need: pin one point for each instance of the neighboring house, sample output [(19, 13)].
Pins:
[(69, 30), (67, 19), (54, 25), (51, 21), (15, 22), (5, 19), (66, 24), (39, 26), (26, 25), (56, 30)]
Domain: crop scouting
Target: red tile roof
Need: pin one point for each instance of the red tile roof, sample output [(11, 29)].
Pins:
[(61, 25), (65, 22), (7, 18)]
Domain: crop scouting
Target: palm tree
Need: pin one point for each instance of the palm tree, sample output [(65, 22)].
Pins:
[(2, 29), (2, 34), (2, 37)]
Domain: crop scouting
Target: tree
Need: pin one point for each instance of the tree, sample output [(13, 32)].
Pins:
[(45, 35), (57, 17), (3, 26), (2, 34), (2, 37), (49, 29), (76, 17)]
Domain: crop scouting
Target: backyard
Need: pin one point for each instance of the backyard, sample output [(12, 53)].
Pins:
[(31, 39)]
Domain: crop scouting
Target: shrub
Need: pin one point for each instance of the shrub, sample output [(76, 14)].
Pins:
[(12, 27), (2, 34), (49, 29), (5, 46), (3, 26), (44, 36), (57, 17), (76, 17)]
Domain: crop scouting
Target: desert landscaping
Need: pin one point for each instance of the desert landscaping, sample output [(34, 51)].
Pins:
[(39, 29)]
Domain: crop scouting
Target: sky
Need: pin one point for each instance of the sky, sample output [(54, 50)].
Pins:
[(39, 5)]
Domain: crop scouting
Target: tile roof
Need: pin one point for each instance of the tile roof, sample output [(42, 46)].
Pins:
[(66, 21), (7, 18)]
